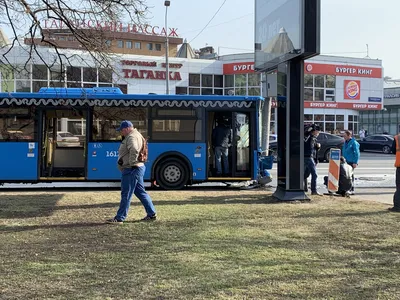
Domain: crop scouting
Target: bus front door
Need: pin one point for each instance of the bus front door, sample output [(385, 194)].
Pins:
[(63, 143), (239, 155)]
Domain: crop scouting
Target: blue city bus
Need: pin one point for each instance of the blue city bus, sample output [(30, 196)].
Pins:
[(68, 135)]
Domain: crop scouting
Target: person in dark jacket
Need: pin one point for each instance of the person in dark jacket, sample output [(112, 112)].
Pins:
[(311, 148), (345, 178), (221, 141)]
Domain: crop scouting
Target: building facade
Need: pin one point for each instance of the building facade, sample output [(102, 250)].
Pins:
[(139, 40), (386, 120), (336, 89)]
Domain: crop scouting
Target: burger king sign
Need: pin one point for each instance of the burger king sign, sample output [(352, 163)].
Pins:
[(352, 89)]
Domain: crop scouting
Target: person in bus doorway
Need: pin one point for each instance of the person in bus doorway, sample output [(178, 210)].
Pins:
[(351, 152), (132, 170), (221, 141), (311, 148), (396, 196)]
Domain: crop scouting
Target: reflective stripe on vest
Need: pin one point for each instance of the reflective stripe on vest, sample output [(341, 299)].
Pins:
[(397, 162)]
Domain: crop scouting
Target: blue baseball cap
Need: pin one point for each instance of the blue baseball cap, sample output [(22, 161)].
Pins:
[(124, 124)]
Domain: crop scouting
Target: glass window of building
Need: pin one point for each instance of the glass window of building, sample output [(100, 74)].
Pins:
[(39, 72), (254, 91), (128, 44), (138, 45), (105, 75), (219, 81), (23, 86), (194, 91), (181, 90), (194, 79), (319, 87), (90, 74), (108, 43), (120, 44), (158, 47), (23, 72), (240, 80), (254, 79), (74, 74), (206, 80), (308, 80), (308, 94), (150, 46), (206, 91), (229, 81)]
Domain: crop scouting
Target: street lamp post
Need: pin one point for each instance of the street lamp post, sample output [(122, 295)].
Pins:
[(166, 4)]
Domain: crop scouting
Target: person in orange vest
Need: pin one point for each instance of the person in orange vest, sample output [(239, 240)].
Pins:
[(396, 196)]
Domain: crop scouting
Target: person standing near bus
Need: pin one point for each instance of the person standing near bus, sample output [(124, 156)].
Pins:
[(311, 148), (221, 141), (351, 152), (132, 170), (396, 196)]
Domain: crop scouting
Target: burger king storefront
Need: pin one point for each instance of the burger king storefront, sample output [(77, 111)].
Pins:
[(337, 89)]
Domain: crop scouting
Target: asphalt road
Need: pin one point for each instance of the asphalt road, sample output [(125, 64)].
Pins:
[(370, 165), (374, 177)]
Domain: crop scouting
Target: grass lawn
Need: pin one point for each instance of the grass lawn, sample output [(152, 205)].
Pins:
[(206, 245)]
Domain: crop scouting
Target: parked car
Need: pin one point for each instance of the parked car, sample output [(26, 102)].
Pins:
[(67, 139), (327, 141), (377, 142)]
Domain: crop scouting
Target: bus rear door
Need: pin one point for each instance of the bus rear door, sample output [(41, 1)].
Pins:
[(63, 144)]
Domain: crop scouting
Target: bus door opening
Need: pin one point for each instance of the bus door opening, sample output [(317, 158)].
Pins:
[(230, 128), (63, 145)]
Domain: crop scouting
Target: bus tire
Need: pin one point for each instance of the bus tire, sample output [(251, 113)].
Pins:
[(172, 174)]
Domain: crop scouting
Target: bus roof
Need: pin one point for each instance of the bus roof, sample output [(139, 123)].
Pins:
[(112, 93)]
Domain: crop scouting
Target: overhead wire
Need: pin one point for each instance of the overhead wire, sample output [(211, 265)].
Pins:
[(209, 21)]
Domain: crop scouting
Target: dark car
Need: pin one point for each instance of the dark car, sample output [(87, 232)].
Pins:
[(377, 142), (327, 141)]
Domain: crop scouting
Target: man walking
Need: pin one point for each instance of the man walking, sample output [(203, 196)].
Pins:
[(396, 196), (132, 168), (351, 152)]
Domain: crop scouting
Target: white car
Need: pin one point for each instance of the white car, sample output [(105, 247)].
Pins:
[(67, 139)]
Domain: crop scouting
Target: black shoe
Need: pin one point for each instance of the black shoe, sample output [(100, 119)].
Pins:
[(150, 218), (115, 221), (394, 209)]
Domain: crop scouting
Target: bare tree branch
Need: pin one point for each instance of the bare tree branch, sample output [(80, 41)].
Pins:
[(85, 20)]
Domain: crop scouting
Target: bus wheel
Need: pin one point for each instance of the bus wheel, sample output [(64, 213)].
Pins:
[(172, 174)]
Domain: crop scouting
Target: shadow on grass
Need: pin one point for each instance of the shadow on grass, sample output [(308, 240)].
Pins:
[(28, 206), (6, 229), (254, 199)]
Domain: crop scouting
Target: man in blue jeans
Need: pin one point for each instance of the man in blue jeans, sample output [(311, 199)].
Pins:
[(132, 170)]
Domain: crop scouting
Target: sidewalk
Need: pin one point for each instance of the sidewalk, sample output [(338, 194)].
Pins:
[(382, 195)]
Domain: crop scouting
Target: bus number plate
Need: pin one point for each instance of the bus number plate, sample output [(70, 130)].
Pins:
[(111, 153)]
